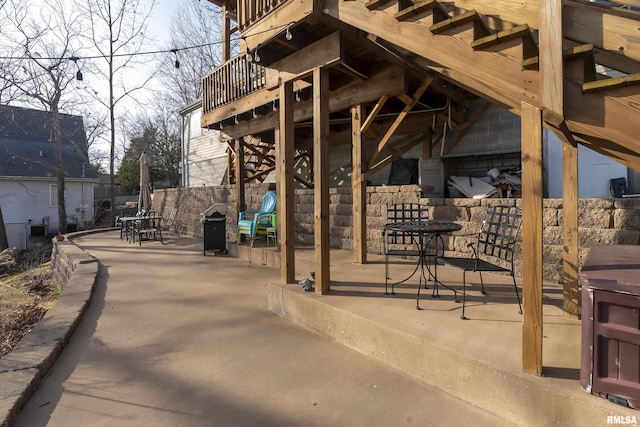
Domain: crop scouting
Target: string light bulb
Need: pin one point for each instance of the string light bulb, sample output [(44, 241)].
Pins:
[(79, 76), (176, 64), (274, 106), (235, 119), (256, 57), (288, 34), (254, 114), (297, 96)]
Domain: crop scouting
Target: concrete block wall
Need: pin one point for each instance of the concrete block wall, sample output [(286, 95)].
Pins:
[(498, 131), (602, 221)]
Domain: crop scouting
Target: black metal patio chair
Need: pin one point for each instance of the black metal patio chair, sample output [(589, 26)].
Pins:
[(493, 250)]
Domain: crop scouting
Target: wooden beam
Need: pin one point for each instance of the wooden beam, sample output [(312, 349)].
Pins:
[(372, 115), (500, 78), (286, 211), (394, 126), (550, 55), (325, 52), (400, 147), (602, 118), (321, 178), (359, 186), (262, 156), (532, 225), (570, 243)]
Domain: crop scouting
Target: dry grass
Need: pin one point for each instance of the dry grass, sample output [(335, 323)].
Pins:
[(26, 293)]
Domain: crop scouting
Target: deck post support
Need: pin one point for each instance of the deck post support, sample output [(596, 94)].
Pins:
[(359, 186), (286, 195), (321, 178), (532, 210)]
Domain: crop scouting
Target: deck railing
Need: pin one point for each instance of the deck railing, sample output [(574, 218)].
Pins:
[(235, 79), (250, 11)]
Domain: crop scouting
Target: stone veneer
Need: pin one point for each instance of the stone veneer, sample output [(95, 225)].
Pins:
[(602, 221)]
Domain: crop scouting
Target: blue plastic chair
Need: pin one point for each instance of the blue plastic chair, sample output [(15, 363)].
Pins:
[(251, 223)]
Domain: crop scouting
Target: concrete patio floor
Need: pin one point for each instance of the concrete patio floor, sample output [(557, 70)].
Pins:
[(172, 337), (478, 360)]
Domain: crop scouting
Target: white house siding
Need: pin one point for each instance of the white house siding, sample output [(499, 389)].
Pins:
[(26, 200), (594, 170), (205, 155)]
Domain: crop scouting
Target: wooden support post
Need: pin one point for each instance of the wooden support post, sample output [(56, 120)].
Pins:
[(240, 203), (551, 71), (226, 34), (532, 213), (230, 169), (570, 244), (321, 177), (359, 187), (285, 178)]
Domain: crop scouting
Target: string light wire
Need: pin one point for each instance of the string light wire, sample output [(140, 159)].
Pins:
[(76, 58)]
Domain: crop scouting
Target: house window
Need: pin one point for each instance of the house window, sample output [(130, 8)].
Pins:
[(194, 124), (53, 195)]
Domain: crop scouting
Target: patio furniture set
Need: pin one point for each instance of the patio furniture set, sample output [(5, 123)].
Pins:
[(145, 225), (410, 233)]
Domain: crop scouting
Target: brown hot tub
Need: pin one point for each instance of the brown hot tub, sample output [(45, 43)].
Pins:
[(610, 280)]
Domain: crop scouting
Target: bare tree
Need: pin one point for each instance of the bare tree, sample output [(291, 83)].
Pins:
[(118, 33), (97, 131), (196, 35), (156, 131), (40, 42)]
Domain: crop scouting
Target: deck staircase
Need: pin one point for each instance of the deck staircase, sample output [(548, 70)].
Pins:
[(498, 59)]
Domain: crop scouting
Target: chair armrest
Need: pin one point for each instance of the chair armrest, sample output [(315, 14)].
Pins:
[(246, 215), (263, 217)]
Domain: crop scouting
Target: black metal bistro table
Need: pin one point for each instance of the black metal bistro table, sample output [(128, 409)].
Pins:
[(422, 233)]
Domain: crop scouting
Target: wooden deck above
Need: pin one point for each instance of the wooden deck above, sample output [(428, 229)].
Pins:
[(470, 48)]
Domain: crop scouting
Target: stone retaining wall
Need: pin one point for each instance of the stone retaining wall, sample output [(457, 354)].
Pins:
[(602, 221), (22, 370), (66, 258)]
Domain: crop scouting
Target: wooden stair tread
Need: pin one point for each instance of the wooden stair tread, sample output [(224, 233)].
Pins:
[(375, 4), (502, 36), (584, 50), (580, 50), (611, 83), (454, 21), (417, 8)]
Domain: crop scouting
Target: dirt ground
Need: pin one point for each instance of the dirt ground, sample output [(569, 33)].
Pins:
[(27, 291)]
